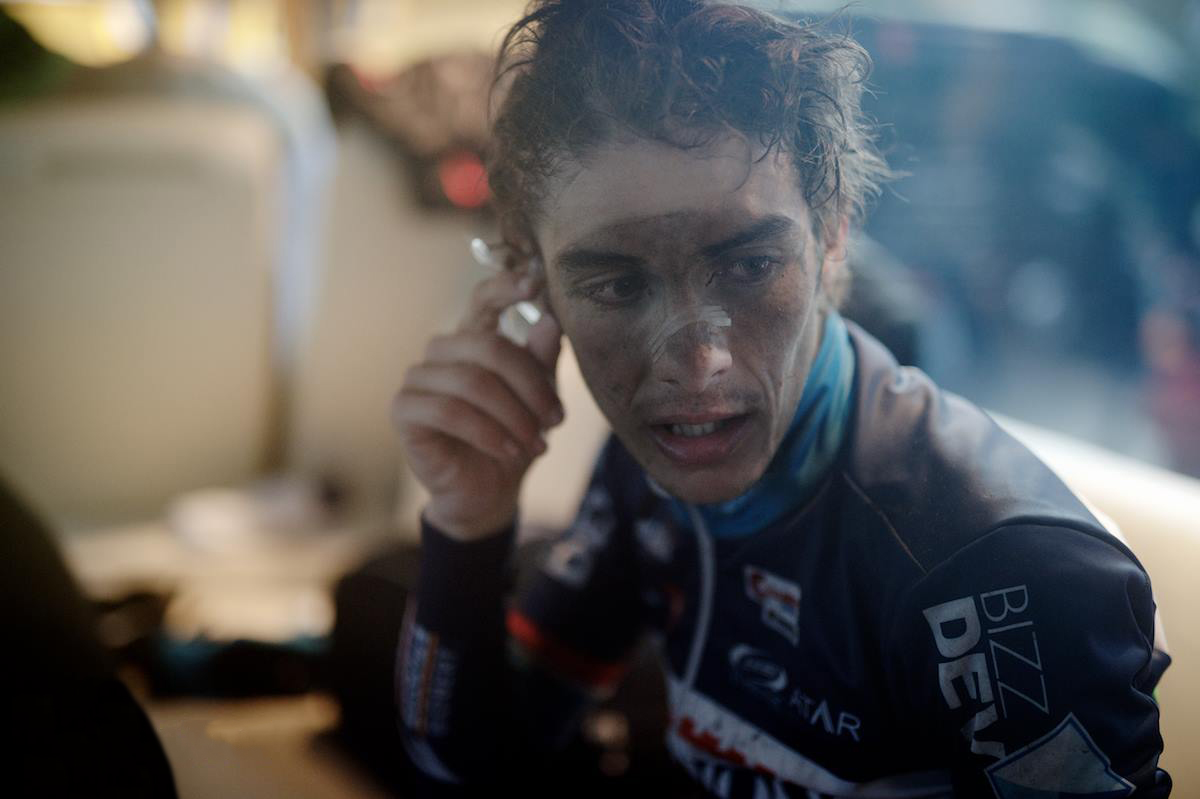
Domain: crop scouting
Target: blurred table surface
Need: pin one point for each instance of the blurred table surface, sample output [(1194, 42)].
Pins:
[(258, 748), (259, 587)]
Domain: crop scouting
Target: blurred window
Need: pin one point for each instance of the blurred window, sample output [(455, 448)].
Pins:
[(1050, 217)]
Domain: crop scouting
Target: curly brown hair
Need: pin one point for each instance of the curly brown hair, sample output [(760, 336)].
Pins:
[(575, 74)]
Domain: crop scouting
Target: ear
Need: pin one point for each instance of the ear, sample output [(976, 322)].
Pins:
[(834, 256)]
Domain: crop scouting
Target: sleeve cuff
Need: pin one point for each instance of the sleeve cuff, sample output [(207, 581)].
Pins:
[(460, 592)]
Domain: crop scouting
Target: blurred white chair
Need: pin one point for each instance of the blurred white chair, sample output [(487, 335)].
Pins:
[(136, 300)]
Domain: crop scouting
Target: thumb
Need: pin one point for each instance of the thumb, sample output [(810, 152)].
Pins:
[(545, 342)]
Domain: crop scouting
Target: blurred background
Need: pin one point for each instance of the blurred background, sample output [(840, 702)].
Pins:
[(227, 227)]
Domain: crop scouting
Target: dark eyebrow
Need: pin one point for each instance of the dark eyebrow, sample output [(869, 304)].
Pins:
[(578, 259), (765, 228)]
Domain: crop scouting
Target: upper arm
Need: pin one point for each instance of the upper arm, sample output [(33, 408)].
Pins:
[(1029, 656)]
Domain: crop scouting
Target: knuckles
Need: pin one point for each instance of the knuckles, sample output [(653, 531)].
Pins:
[(449, 411), (478, 382), (483, 364)]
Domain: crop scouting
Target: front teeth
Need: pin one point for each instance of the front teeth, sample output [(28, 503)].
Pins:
[(693, 430)]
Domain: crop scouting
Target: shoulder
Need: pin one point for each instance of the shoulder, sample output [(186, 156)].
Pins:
[(938, 471), (1047, 571)]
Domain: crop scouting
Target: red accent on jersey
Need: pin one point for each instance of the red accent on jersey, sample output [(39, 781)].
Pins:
[(562, 659)]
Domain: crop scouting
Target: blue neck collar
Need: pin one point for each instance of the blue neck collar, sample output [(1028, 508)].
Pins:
[(807, 451)]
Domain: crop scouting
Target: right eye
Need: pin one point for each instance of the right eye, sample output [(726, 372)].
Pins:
[(616, 291)]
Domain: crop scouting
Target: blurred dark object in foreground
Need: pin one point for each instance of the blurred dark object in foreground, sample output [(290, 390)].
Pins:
[(619, 746), (26, 68), (77, 730), (132, 628), (203, 667)]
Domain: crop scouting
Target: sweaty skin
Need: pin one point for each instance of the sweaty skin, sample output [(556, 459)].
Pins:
[(644, 228)]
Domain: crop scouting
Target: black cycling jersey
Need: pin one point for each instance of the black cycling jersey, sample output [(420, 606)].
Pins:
[(942, 617)]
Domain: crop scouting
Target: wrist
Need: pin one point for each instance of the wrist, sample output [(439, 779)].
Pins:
[(468, 527)]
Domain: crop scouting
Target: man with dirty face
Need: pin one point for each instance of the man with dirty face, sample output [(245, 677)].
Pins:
[(856, 583)]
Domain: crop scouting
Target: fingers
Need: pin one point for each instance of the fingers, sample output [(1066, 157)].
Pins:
[(479, 388), (458, 420), (492, 296), (522, 373), (487, 393)]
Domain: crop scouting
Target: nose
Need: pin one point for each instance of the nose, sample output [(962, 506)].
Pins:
[(694, 357)]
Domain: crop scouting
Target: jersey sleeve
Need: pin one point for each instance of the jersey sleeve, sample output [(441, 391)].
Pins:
[(482, 682), (582, 615), (451, 681), (1029, 658)]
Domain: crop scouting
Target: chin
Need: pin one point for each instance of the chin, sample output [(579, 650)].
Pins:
[(704, 486)]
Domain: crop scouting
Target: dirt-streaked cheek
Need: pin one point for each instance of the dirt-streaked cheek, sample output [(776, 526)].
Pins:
[(767, 342), (609, 362), (775, 334)]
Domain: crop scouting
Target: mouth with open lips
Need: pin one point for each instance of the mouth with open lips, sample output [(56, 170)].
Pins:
[(699, 439)]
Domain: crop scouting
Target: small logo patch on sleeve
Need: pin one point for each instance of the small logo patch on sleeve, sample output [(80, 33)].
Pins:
[(1065, 762)]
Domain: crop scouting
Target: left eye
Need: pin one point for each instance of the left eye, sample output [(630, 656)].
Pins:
[(751, 270)]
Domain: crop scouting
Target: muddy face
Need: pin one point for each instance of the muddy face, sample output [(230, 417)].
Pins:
[(687, 282)]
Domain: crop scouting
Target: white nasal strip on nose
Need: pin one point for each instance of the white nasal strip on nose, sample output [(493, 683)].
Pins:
[(714, 316)]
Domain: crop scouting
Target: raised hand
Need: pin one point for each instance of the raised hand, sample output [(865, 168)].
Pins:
[(472, 414)]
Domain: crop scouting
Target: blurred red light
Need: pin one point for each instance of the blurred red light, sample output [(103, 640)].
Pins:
[(463, 179), (371, 82)]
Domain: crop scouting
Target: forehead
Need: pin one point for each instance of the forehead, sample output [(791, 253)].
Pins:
[(637, 186)]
